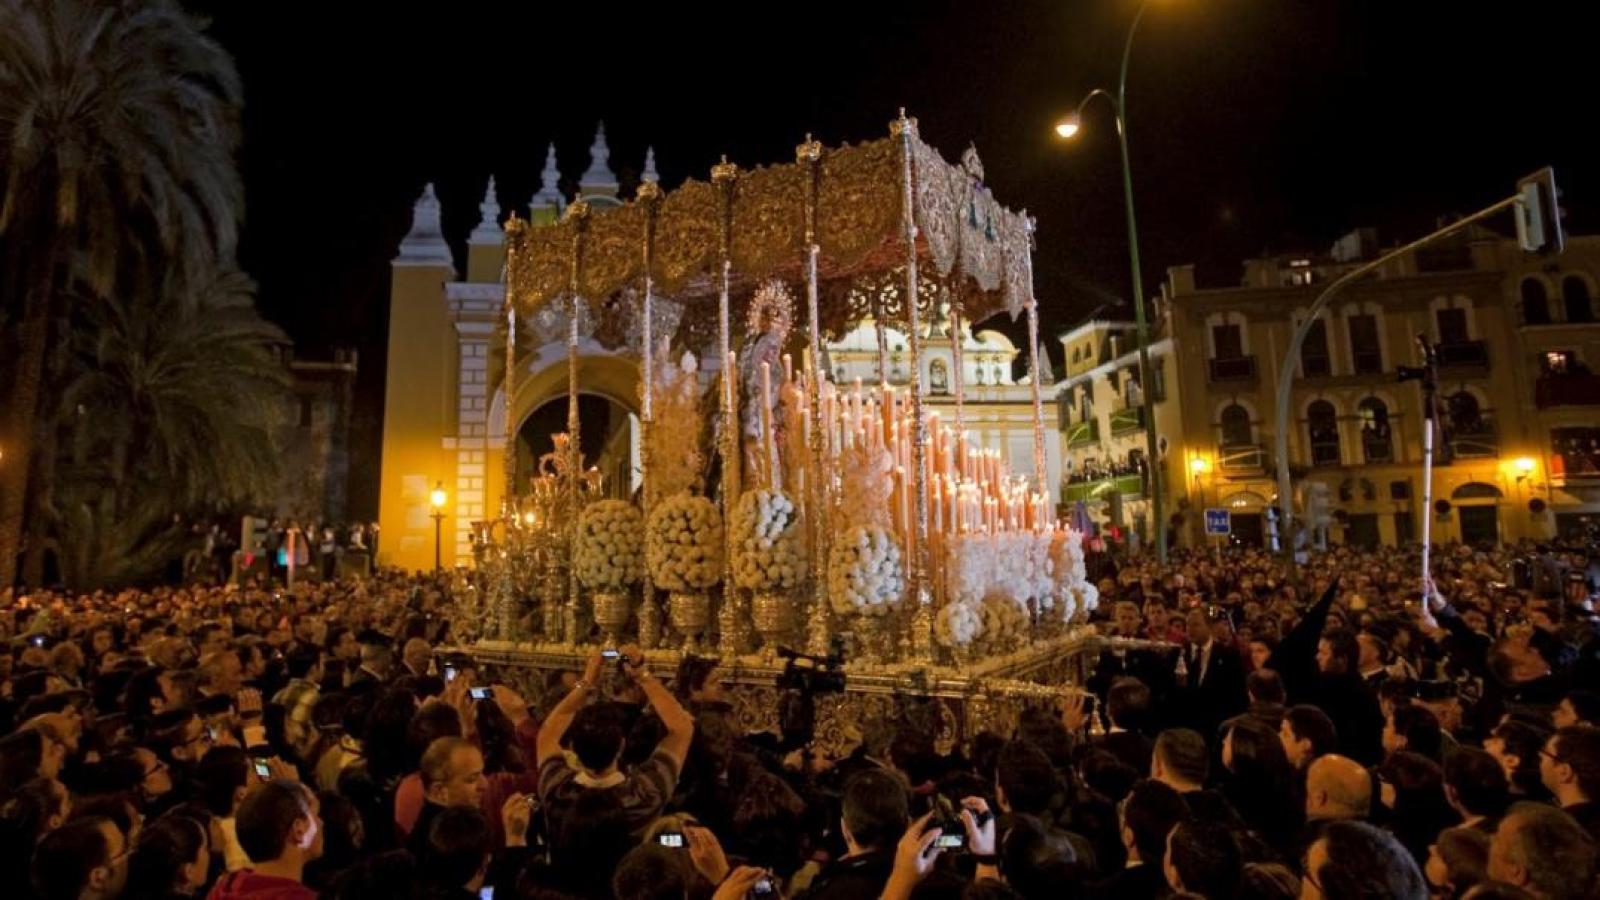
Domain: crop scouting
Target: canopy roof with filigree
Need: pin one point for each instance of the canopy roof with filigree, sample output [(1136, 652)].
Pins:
[(970, 250)]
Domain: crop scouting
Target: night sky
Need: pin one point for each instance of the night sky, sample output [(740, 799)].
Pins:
[(1255, 125)]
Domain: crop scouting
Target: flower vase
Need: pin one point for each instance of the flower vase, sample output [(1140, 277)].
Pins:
[(612, 612), (649, 622), (869, 639), (772, 612), (690, 615)]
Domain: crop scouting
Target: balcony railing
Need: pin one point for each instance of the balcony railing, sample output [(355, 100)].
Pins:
[(1325, 453), (1237, 368), (1475, 441), (1083, 433), (1129, 418), (1463, 355), (1566, 390), (1127, 485), (1242, 458)]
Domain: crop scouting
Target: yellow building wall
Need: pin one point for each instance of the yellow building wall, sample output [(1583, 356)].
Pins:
[(419, 409)]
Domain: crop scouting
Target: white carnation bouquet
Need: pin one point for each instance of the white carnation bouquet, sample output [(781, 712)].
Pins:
[(768, 548), (971, 566), (958, 624), (683, 543), (610, 551), (1005, 621), (1038, 568), (864, 575)]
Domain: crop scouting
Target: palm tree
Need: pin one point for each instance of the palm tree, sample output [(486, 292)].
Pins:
[(118, 124), (167, 406)]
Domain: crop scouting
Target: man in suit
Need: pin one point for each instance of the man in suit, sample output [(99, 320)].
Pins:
[(1213, 683)]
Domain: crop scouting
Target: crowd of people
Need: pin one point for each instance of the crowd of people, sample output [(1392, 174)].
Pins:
[(1277, 732)]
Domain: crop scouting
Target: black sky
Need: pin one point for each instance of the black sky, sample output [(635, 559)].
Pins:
[(1255, 125)]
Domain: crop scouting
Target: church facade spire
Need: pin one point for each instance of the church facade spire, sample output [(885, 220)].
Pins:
[(599, 180), (424, 244), (549, 195), (488, 230)]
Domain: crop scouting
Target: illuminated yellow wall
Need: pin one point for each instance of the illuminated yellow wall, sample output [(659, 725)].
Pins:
[(419, 410)]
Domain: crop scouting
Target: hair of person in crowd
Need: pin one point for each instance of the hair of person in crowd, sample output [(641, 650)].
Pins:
[(1475, 783), (1025, 779), (278, 817), (1307, 734), (1543, 850), (172, 858), (1203, 858), (1180, 759), (1146, 816), (1414, 728), (1265, 686), (1267, 881), (1578, 707), (1128, 704), (81, 860), (1356, 860), (650, 872), (874, 809), (1570, 764), (460, 844), (1457, 860)]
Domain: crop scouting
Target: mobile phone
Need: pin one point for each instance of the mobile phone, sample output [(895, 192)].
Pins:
[(486, 893), (262, 769), (610, 653), (951, 841), (480, 693), (450, 674), (670, 839), (38, 640), (762, 888)]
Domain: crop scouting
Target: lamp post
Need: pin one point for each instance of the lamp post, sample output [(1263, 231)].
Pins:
[(437, 499), (1067, 129)]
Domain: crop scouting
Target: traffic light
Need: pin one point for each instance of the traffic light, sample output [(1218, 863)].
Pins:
[(1539, 213)]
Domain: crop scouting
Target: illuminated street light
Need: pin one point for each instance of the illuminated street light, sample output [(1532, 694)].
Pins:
[(1525, 465), (437, 499), (1068, 127)]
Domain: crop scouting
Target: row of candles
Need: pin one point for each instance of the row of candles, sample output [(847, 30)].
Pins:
[(969, 489)]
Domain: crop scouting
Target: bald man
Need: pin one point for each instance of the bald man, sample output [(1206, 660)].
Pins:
[(415, 656), (1337, 788)]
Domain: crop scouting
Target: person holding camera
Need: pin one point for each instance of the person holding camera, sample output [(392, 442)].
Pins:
[(595, 734)]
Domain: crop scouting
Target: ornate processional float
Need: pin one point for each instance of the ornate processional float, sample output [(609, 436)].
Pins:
[(789, 511)]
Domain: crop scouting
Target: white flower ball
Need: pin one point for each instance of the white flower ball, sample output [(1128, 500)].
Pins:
[(683, 543)]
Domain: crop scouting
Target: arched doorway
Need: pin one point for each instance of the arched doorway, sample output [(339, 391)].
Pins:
[(1245, 509), (1478, 505), (608, 439)]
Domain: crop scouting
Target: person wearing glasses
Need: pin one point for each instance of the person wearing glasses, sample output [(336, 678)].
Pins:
[(1569, 765)]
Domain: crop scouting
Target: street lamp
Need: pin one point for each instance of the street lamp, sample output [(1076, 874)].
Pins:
[(437, 499), (1068, 129)]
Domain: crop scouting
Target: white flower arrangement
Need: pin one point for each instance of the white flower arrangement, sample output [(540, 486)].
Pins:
[(958, 624), (1038, 568), (971, 566), (768, 549), (864, 575), (683, 543), (1005, 621), (610, 551)]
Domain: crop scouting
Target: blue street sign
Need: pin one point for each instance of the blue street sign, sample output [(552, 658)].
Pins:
[(1218, 523)]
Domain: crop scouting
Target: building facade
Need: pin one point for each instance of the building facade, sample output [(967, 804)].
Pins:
[(1518, 451), (313, 439)]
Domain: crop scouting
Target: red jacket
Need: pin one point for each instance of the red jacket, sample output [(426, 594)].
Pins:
[(247, 885)]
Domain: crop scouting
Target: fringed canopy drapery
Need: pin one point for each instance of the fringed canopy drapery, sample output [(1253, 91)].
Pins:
[(970, 249)]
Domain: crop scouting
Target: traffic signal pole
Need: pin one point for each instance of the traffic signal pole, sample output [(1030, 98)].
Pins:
[(1292, 354)]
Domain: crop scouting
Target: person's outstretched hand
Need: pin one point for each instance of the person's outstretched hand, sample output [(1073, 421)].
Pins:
[(917, 852), (515, 815), (705, 851), (737, 885), (979, 823)]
